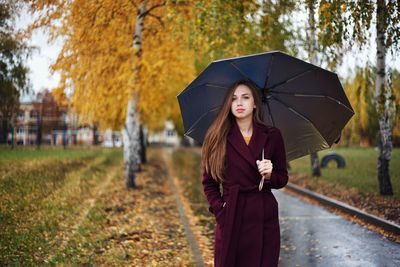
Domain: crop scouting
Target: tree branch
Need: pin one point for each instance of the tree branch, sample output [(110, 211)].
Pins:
[(133, 3), (158, 18), (153, 7)]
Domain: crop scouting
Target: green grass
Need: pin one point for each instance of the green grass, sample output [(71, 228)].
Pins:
[(31, 153), (360, 171), (39, 198), (82, 247)]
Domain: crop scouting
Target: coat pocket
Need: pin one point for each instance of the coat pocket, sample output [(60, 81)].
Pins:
[(219, 217)]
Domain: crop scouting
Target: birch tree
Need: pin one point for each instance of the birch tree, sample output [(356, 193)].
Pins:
[(119, 64), (348, 23), (312, 48)]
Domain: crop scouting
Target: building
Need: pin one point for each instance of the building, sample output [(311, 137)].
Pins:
[(168, 136), (38, 119)]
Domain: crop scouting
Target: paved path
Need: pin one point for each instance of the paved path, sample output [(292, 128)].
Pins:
[(313, 236)]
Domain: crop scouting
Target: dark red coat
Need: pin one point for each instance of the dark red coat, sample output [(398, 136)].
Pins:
[(247, 230)]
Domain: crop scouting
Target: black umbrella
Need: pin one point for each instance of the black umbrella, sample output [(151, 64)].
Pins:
[(307, 103)]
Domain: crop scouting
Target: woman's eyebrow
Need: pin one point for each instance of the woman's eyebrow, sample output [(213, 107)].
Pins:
[(242, 94)]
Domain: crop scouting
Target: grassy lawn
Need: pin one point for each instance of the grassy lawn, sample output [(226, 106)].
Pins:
[(43, 192), (31, 153), (360, 171)]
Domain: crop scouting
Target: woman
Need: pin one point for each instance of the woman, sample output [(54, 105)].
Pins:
[(239, 150)]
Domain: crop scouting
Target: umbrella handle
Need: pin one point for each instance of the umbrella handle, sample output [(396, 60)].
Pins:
[(260, 186)]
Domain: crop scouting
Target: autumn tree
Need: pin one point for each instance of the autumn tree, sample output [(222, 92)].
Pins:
[(348, 23), (119, 63), (221, 29), (13, 72), (363, 128)]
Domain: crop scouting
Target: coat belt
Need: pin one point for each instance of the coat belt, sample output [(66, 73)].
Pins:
[(228, 247)]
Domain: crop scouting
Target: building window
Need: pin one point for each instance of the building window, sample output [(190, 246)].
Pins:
[(20, 130), (170, 133), (34, 114), (21, 115)]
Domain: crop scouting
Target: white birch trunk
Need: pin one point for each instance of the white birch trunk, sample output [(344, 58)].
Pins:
[(383, 104), (131, 133), (312, 50)]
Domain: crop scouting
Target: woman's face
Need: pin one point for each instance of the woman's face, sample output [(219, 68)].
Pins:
[(242, 102)]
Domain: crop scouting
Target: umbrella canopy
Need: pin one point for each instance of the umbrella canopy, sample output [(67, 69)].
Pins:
[(307, 103)]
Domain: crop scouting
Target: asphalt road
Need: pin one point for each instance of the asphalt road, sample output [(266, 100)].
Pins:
[(313, 236)]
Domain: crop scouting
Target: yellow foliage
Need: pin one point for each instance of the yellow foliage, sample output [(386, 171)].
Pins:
[(97, 61), (60, 97)]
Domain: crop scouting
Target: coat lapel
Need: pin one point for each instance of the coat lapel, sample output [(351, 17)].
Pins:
[(252, 151), (258, 141)]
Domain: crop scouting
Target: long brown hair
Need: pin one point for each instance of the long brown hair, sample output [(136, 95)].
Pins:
[(214, 145)]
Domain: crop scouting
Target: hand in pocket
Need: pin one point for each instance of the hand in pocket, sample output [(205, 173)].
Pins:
[(220, 214)]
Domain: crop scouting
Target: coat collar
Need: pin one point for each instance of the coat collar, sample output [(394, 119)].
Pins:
[(251, 152)]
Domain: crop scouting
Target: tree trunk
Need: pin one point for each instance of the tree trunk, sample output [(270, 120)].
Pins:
[(3, 130), (95, 137), (113, 139), (38, 132), (131, 132), (382, 104), (143, 145), (131, 144), (64, 134), (312, 50), (13, 133)]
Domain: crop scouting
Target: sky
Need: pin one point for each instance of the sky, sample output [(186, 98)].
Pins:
[(46, 54)]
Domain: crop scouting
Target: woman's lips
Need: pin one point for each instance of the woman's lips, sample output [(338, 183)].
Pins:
[(240, 110)]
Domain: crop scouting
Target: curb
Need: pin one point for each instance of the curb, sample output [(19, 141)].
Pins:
[(184, 219), (385, 224)]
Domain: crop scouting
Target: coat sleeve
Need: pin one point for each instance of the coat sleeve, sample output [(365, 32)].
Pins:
[(279, 176), (212, 191)]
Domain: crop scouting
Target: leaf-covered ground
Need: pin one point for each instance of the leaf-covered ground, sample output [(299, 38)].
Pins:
[(184, 166), (139, 227), (77, 211)]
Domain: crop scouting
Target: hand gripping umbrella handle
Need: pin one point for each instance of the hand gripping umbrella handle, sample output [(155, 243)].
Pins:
[(262, 178)]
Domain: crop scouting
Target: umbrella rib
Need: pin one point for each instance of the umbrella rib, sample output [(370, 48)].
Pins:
[(313, 95), (291, 79), (300, 115), (211, 85), (191, 129), (268, 74), (270, 113), (237, 68)]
